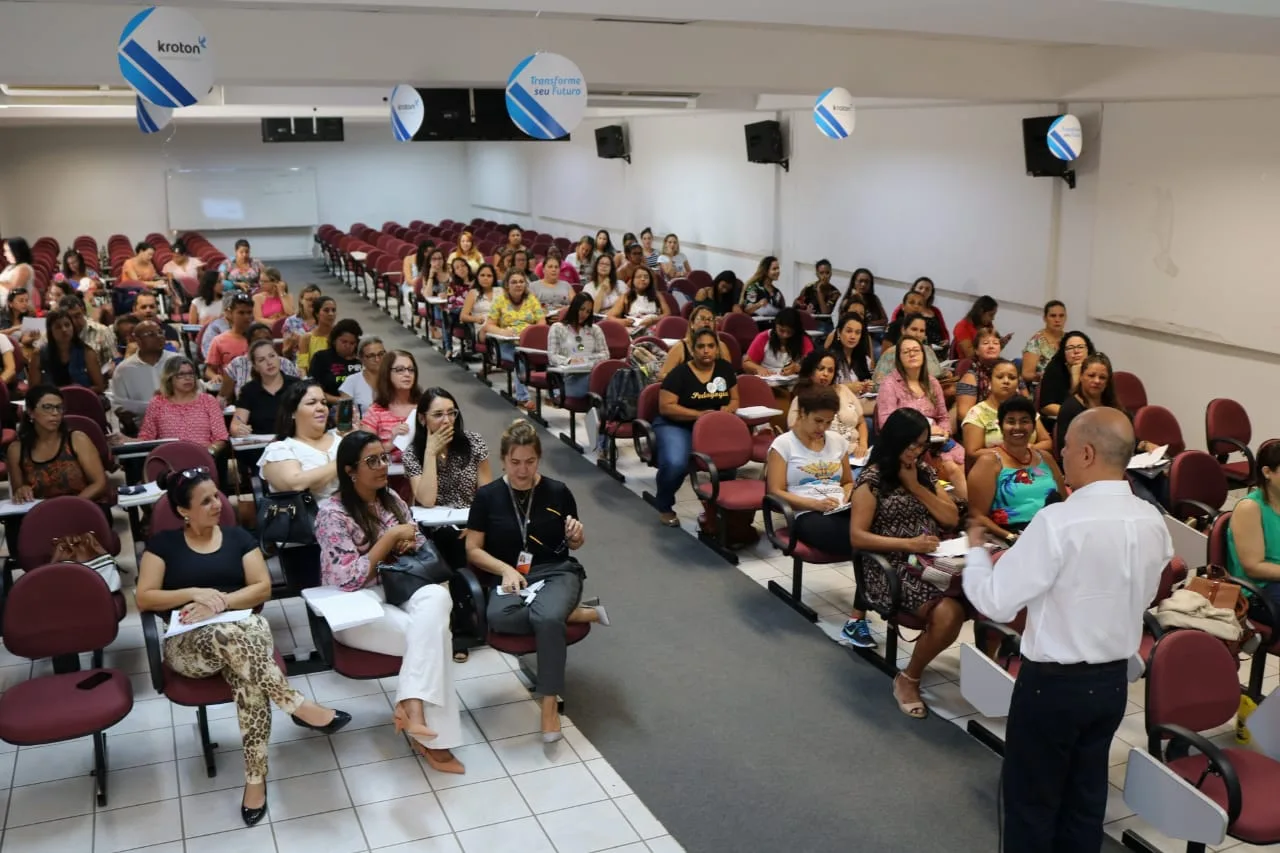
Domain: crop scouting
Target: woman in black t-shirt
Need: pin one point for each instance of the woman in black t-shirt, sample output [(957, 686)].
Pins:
[(201, 571), (704, 384), (522, 528), (331, 367)]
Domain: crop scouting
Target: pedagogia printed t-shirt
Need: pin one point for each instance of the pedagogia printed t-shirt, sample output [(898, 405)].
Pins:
[(693, 393)]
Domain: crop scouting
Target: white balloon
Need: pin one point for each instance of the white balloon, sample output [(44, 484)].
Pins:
[(546, 96), (407, 112), (150, 117), (164, 55), (834, 113), (1065, 138)]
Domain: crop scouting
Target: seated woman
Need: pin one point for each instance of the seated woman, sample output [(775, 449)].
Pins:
[(910, 386), (479, 299), (240, 369), (206, 305), (304, 454), (936, 324), (141, 267), (1043, 345), (819, 370), (552, 291), (760, 295), (525, 515), (819, 297), (672, 261), (577, 340), (514, 310), (201, 570), (907, 326), (982, 315), (808, 468), (851, 347), (1062, 374), (981, 427), (1011, 484), (64, 359), (1096, 387), (317, 339), (301, 323), (360, 387), (332, 365), (272, 301), (642, 306), (975, 385), (723, 296), (778, 351), (700, 318), (900, 509), (1253, 534), (862, 286), (48, 460), (395, 400), (363, 526), (603, 287), (706, 383), (183, 268), (182, 411), (243, 270), (567, 271), (258, 401)]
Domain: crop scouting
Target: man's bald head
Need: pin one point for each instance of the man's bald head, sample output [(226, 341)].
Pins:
[(1099, 446)]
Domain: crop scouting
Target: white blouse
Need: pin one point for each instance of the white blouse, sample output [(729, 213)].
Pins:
[(293, 450)]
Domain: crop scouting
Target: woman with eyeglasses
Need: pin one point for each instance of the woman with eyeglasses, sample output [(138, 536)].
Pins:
[(515, 309), (911, 387), (578, 341), (395, 400), (360, 387), (523, 528), (64, 359), (204, 569), (1061, 375), (48, 460), (363, 526), (445, 462), (258, 401), (303, 456), (182, 411)]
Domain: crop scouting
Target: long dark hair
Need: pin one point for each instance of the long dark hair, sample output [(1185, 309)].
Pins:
[(724, 304), (859, 362), (651, 294), (459, 446), (52, 367), (206, 288), (290, 400), (903, 428), (1109, 396), (20, 248), (475, 279), (27, 426), (810, 366), (933, 288), (384, 394), (420, 257), (981, 306), (350, 449), (66, 267), (11, 310), (1058, 364), (343, 327), (608, 244), (1268, 457), (575, 310), (794, 345)]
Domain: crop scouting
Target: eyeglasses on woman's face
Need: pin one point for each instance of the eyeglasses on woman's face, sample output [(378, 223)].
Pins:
[(403, 369), (1076, 348), (377, 461), (375, 355), (443, 415), (50, 408), (185, 374)]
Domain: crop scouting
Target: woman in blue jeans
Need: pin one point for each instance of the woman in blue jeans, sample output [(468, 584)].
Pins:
[(704, 384)]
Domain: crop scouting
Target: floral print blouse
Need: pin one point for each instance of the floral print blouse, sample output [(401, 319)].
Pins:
[(506, 315), (242, 278), (344, 553)]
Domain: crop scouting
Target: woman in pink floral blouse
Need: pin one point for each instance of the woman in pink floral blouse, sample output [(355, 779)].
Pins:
[(911, 386)]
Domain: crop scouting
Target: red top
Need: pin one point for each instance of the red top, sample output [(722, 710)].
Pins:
[(199, 421), (759, 348)]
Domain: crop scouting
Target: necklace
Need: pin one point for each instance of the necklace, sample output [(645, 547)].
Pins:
[(1022, 462)]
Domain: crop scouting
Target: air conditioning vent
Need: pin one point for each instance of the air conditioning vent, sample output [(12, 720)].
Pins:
[(54, 91), (664, 22)]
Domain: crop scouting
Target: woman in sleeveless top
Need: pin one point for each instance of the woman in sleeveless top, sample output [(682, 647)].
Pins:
[(1011, 483), (1253, 535), (48, 460)]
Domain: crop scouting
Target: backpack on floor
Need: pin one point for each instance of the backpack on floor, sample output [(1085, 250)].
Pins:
[(622, 396)]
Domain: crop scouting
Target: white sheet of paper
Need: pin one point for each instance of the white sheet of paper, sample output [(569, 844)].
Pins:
[(33, 324), (8, 507), (400, 442), (343, 609), (957, 547), (176, 626), (438, 516), (1149, 460), (751, 412), (840, 508), (860, 461)]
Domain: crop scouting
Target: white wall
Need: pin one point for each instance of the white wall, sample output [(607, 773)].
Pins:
[(66, 181)]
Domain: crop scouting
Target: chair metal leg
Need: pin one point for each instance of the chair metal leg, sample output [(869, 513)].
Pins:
[(792, 596), (888, 662), (202, 722), (718, 542), (609, 464), (536, 414), (100, 766), (1134, 841), (572, 438), (986, 737)]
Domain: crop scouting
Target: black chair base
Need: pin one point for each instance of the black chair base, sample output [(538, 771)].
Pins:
[(714, 543), (1133, 841), (792, 599), (986, 737), (207, 745), (100, 766), (609, 462), (564, 437)]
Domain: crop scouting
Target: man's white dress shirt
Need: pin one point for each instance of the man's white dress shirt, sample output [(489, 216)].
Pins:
[(1085, 569)]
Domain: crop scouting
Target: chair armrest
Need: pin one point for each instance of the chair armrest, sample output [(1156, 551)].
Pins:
[(1010, 640), (643, 439), (1260, 598), (704, 463), (892, 581), (1203, 508), (1238, 445), (1219, 764), (151, 640), (478, 599), (1152, 625), (772, 504)]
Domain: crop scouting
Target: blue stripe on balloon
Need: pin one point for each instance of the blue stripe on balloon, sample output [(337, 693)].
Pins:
[(537, 112), (1057, 137), (824, 126), (522, 66), (523, 120), (142, 83), (157, 72), (841, 133), (397, 127), (135, 22)]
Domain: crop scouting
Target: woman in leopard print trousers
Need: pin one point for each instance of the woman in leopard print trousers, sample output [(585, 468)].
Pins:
[(201, 571)]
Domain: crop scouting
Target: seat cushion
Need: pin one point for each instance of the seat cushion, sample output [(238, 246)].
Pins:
[(760, 444), (538, 379), (619, 430), (526, 644), (354, 663), (1259, 820), (52, 708), (577, 404), (1237, 470), (736, 494), (213, 690), (808, 554)]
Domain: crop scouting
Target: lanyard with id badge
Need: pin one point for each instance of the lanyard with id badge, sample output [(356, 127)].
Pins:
[(524, 562)]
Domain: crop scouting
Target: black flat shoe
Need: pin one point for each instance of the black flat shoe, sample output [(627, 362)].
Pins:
[(252, 817), (340, 719)]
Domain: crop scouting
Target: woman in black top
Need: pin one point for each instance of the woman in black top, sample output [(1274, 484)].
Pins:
[(331, 367), (201, 571), (863, 284), (1061, 375), (522, 528), (258, 402), (704, 384)]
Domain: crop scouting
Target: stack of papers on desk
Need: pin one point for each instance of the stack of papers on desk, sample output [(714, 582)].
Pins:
[(1154, 459), (752, 412), (438, 516), (342, 609)]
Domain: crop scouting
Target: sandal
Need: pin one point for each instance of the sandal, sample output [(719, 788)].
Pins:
[(916, 710), (669, 519), (461, 656)]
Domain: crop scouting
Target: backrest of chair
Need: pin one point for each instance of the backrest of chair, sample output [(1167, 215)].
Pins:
[(1158, 425), (163, 516), (617, 337), (1195, 475), (742, 328), (671, 327), (1174, 572), (1130, 390), (1225, 418), (90, 428), (59, 609), (734, 348), (1218, 551), (808, 322), (647, 405), (602, 373), (700, 279), (1193, 680), (754, 391), (57, 517), (84, 402), (535, 337), (177, 456), (725, 438)]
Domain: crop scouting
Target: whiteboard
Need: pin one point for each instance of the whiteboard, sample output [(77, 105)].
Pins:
[(939, 191), (236, 199), (1188, 210)]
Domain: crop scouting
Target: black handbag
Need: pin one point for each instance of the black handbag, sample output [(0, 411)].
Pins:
[(286, 518), (411, 572)]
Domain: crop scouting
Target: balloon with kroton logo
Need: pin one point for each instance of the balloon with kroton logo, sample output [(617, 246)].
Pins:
[(407, 112), (546, 96), (164, 55), (150, 117), (833, 113), (1065, 138)]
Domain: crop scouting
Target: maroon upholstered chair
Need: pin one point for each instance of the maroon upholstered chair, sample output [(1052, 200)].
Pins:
[(1217, 556), (592, 405), (178, 456), (722, 442), (85, 403), (58, 610), (616, 337), (1131, 392), (531, 367), (670, 327), (1157, 425), (735, 350), (1197, 487), (784, 539), (700, 279), (63, 516), (741, 327), (1227, 430), (1192, 687), (754, 391)]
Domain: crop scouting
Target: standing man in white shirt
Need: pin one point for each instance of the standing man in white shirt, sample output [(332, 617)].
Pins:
[(1085, 569)]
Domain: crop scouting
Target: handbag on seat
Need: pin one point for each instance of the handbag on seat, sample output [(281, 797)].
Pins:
[(287, 518), (85, 548), (411, 572)]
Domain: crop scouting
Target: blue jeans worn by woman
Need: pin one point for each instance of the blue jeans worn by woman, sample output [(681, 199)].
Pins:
[(675, 443), (508, 353)]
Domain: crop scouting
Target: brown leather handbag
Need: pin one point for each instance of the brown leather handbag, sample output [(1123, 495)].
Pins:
[(1216, 585)]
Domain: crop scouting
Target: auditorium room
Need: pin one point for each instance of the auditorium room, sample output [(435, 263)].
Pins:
[(675, 381)]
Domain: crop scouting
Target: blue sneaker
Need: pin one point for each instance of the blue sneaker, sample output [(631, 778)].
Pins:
[(857, 632)]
